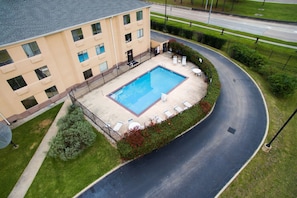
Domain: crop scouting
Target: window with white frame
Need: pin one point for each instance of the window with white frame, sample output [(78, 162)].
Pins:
[(77, 34), (5, 58), (140, 33), (83, 56), (139, 15), (128, 38), (96, 28), (126, 19), (100, 49), (31, 49), (103, 67), (42, 72)]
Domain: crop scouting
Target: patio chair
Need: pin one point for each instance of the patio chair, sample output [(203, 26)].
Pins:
[(178, 109), (168, 114), (174, 60), (158, 119), (118, 126), (187, 104)]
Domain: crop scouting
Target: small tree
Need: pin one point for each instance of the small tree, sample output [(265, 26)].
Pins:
[(282, 85), (74, 135)]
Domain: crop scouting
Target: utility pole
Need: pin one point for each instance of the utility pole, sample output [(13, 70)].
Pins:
[(267, 147)]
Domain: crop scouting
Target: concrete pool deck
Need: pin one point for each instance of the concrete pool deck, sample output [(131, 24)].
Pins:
[(193, 89)]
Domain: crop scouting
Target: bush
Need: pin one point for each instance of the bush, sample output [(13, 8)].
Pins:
[(247, 56), (74, 135), (213, 41), (282, 85)]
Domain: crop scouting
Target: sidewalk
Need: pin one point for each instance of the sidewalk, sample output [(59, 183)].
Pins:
[(27, 177)]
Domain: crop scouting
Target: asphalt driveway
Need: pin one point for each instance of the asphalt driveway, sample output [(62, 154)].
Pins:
[(201, 162)]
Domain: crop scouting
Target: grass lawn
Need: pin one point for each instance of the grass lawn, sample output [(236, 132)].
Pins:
[(272, 11), (28, 136), (57, 178)]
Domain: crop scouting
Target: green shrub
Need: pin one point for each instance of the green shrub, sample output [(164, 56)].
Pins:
[(74, 135), (188, 34), (282, 85), (247, 56), (213, 41)]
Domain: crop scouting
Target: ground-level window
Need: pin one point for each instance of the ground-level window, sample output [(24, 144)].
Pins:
[(29, 102), (139, 15), (100, 49), (17, 82), (140, 33), (126, 19), (88, 74), (103, 67), (77, 34), (83, 56), (52, 91), (42, 72), (5, 58), (31, 49), (128, 38), (96, 28)]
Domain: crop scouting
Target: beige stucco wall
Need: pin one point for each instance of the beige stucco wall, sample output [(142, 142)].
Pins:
[(59, 54)]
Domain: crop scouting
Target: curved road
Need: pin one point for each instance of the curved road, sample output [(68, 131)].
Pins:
[(201, 162)]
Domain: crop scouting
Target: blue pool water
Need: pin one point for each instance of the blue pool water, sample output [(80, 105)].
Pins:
[(141, 93)]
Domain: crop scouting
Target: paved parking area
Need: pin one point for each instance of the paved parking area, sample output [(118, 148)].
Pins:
[(191, 90)]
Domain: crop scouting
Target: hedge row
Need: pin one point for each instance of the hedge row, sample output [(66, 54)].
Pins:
[(189, 34), (247, 56)]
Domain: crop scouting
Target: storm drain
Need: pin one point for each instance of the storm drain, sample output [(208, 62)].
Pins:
[(231, 130)]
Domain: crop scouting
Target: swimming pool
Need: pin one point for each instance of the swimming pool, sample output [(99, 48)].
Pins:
[(141, 93)]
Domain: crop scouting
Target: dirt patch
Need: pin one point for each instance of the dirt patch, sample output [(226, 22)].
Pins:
[(33, 145), (44, 123)]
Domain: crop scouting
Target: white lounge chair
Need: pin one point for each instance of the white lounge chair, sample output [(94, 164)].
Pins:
[(187, 104), (118, 126), (158, 119), (174, 60), (168, 114), (178, 109), (184, 61)]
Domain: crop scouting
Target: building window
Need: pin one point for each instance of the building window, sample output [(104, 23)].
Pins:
[(139, 33), (17, 82), (128, 38), (88, 74), (29, 102), (100, 49), (42, 72), (52, 91), (103, 67), (77, 34), (31, 49), (83, 56), (96, 28), (4, 58), (126, 19), (139, 15)]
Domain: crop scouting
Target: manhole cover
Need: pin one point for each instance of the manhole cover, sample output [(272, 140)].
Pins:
[(231, 130)]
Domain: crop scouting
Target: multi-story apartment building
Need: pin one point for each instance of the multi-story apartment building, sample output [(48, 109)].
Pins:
[(46, 47)]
